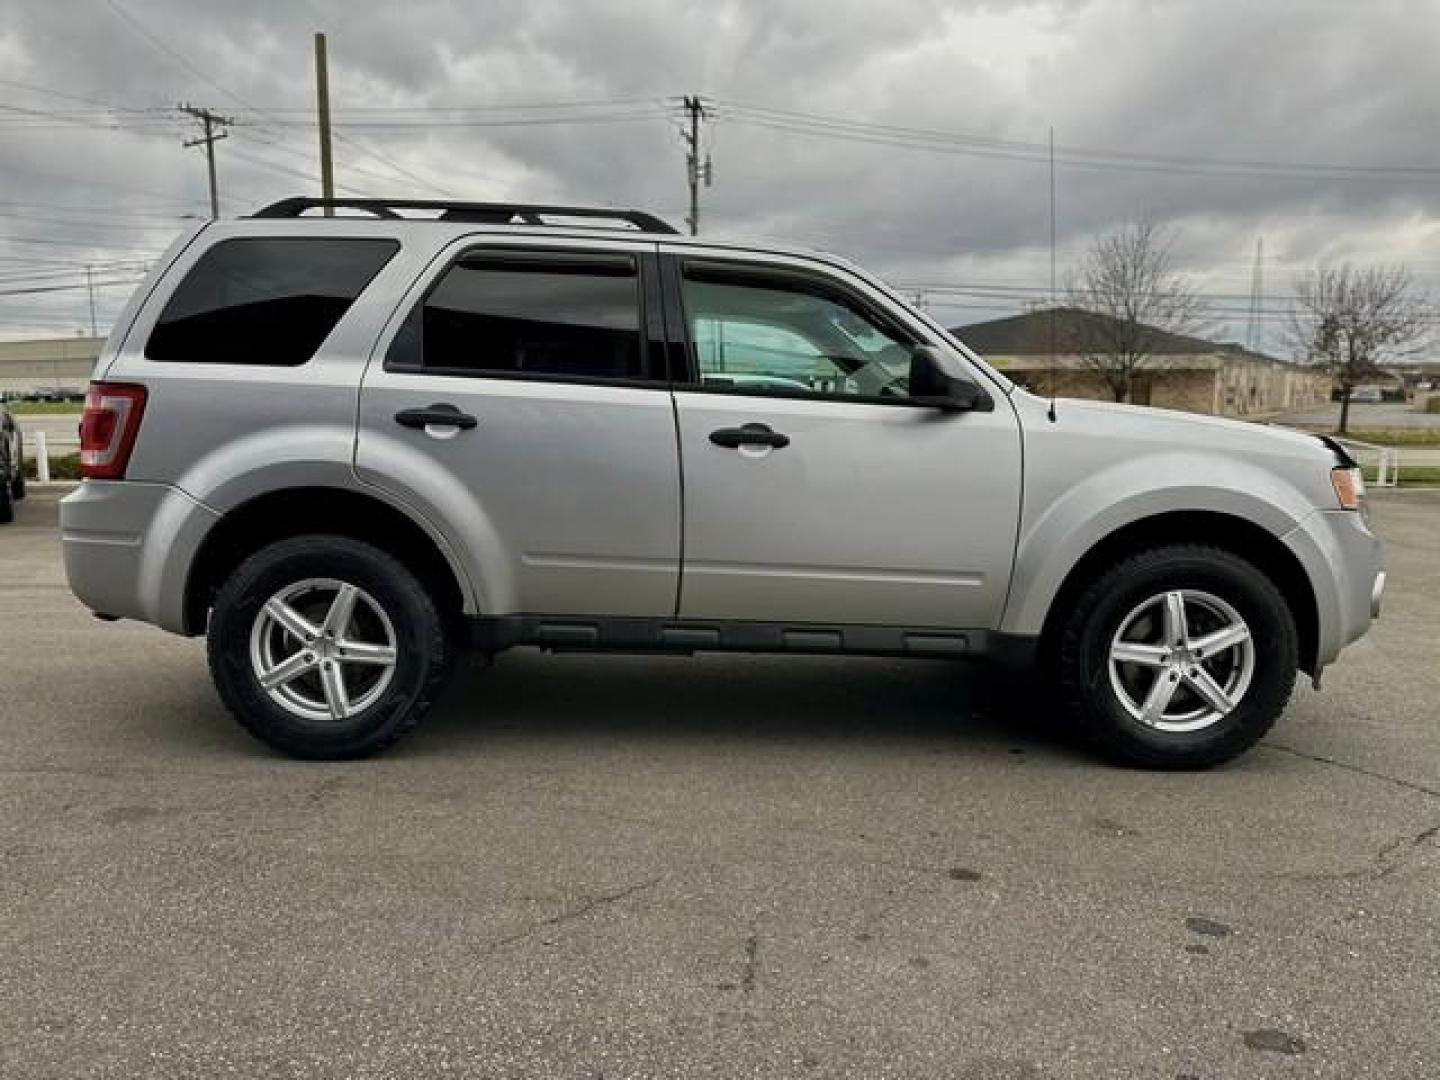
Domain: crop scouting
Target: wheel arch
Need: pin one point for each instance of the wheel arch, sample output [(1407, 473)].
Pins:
[(1228, 532), (296, 511)]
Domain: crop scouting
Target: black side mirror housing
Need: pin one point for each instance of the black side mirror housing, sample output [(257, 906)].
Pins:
[(934, 383)]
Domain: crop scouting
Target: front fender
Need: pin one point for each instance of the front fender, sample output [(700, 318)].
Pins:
[(1055, 536)]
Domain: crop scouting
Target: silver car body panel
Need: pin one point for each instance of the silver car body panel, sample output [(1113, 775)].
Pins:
[(885, 515), (1342, 559), (128, 548), (1099, 467), (564, 498), (875, 514)]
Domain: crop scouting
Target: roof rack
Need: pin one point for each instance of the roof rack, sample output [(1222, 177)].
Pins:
[(485, 213)]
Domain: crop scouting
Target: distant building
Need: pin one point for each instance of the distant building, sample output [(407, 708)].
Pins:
[(1182, 372), (47, 363)]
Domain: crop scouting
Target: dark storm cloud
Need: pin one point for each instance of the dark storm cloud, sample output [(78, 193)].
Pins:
[(1302, 82)]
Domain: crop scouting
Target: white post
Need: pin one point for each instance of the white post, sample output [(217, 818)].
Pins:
[(42, 458)]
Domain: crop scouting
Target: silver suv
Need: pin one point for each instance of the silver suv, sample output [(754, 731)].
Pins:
[(346, 447)]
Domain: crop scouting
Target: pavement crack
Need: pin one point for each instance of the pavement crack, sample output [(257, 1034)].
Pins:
[(1434, 793), (1393, 855), (579, 911), (752, 951)]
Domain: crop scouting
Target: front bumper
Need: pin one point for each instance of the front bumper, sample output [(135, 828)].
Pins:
[(128, 547), (1342, 559)]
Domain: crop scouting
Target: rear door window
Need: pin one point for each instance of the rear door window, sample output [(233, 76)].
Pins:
[(571, 317), (265, 301)]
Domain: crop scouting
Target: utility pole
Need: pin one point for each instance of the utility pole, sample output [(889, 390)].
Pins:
[(1254, 332), (1054, 300), (695, 170), (90, 285), (322, 108), (215, 126)]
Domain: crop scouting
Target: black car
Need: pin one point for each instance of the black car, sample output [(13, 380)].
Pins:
[(12, 470)]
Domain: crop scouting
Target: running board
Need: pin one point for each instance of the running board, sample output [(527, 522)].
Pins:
[(602, 633)]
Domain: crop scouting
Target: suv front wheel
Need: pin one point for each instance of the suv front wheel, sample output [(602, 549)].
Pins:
[(1179, 657), (324, 647)]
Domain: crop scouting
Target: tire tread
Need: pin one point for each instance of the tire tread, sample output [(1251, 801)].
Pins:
[(436, 645), (1104, 733)]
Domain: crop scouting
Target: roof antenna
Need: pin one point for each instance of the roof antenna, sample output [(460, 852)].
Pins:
[(1053, 312)]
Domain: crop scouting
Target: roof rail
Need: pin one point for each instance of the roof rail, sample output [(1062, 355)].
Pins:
[(486, 213)]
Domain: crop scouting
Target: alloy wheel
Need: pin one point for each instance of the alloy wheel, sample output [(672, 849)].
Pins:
[(323, 649), (1181, 660)]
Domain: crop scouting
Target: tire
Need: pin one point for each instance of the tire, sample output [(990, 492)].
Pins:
[(297, 717), (7, 503), (1126, 611)]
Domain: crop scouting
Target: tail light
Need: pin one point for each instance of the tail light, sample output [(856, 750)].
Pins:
[(108, 428)]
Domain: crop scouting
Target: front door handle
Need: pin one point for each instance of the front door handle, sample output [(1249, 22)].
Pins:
[(749, 435), (440, 414)]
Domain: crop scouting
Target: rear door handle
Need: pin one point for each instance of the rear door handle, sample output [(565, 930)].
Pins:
[(440, 414), (749, 435)]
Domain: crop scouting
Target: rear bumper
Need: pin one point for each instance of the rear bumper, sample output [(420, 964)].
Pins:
[(1342, 558), (128, 548)]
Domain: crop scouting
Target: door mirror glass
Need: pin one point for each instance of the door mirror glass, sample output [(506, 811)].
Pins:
[(935, 381)]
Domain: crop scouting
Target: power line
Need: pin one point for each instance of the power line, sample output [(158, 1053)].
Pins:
[(93, 223), (539, 106), (619, 116), (140, 28), (984, 146), (68, 288), (65, 94), (188, 66), (51, 241)]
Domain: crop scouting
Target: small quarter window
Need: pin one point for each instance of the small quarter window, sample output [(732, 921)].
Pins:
[(528, 315), (265, 301)]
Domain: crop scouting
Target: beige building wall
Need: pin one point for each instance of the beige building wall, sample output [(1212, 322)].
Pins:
[(1255, 388), (48, 362), (1219, 384), (1188, 391)]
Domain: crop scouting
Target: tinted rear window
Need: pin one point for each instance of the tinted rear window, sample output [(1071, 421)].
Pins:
[(265, 301), (557, 316)]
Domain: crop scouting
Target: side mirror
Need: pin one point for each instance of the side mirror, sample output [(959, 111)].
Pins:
[(934, 383)]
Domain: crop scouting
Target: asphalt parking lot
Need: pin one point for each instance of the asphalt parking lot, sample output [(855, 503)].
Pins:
[(727, 867)]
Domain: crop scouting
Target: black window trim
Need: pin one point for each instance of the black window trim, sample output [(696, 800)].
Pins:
[(169, 293), (650, 325), (687, 378)]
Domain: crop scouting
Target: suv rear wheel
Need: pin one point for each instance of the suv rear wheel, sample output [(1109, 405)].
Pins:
[(1179, 657), (326, 647)]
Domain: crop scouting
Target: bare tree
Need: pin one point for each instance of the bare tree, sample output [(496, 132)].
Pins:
[(1127, 289), (1351, 320)]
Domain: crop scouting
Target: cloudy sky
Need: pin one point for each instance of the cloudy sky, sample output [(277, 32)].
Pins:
[(910, 135)]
